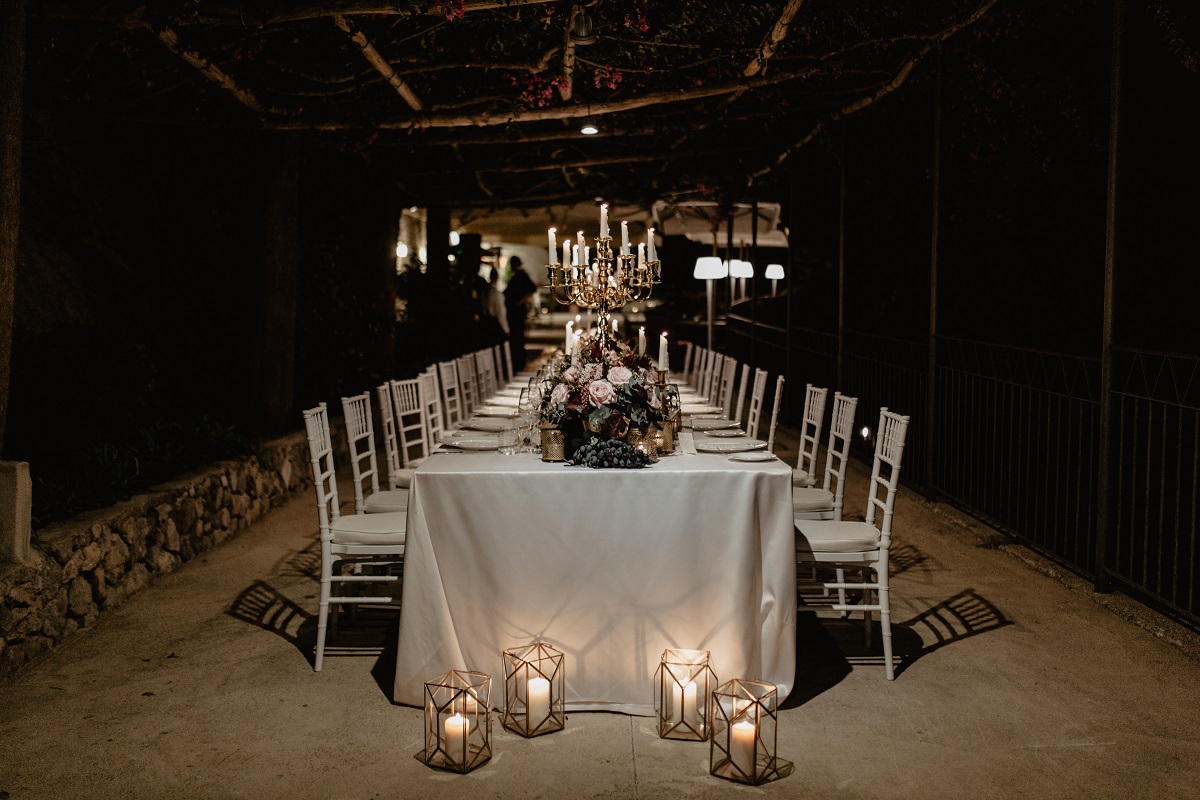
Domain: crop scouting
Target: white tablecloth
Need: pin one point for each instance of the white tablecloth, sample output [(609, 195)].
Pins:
[(609, 566)]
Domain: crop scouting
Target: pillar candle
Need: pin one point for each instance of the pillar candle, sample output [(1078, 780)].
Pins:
[(567, 343), (553, 247), (742, 736), (652, 254), (575, 348), (579, 239), (687, 710), (641, 341), (566, 253), (641, 254), (603, 220), (537, 706), (457, 728), (662, 353), (614, 322), (624, 238)]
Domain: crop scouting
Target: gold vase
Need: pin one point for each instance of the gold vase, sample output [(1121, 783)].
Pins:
[(664, 436), (640, 439), (554, 444)]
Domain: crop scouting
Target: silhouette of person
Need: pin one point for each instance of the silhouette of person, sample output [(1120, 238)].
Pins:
[(495, 315), (517, 298)]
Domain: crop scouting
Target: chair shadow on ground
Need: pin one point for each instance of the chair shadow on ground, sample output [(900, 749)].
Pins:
[(371, 630), (828, 647)]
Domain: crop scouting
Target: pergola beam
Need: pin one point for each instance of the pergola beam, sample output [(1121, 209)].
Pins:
[(380, 63), (209, 70), (773, 39)]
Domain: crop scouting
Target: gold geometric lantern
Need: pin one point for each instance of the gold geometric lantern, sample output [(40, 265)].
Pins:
[(534, 690), (458, 721), (744, 720), (685, 684)]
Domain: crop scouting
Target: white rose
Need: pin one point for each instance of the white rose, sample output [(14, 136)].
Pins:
[(601, 392), (559, 393), (619, 376)]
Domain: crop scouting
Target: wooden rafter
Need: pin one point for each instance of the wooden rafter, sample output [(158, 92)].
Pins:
[(567, 86), (235, 13), (773, 39), (379, 63), (577, 111), (209, 70), (887, 88)]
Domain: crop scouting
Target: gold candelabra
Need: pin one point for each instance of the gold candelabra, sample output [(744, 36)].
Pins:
[(609, 284)]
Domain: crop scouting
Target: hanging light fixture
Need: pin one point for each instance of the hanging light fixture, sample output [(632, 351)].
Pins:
[(589, 128), (583, 32)]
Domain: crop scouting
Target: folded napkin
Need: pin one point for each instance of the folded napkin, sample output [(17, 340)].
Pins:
[(687, 441)]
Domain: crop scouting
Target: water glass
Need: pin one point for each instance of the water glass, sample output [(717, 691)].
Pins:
[(510, 441)]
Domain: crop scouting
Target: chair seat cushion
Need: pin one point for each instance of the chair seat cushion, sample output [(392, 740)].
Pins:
[(403, 477), (387, 500), (800, 477), (827, 536), (370, 528), (804, 499)]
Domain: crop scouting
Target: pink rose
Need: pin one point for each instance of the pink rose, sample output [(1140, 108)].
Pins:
[(619, 376), (559, 393), (601, 392)]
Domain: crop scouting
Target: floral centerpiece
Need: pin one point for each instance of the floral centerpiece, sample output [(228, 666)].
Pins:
[(603, 390)]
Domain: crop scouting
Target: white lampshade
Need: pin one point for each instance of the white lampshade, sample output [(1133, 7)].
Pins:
[(741, 269), (774, 272), (710, 268)]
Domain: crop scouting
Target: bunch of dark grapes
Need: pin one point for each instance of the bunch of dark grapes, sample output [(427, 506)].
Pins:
[(612, 454)]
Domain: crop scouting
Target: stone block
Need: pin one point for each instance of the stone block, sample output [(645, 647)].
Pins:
[(117, 559), (16, 512), (91, 556), (79, 598), (171, 536), (136, 579)]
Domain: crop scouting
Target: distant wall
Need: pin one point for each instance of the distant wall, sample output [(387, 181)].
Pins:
[(85, 566)]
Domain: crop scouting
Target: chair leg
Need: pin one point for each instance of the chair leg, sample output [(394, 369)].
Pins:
[(885, 623), (866, 601), (841, 578), (322, 623)]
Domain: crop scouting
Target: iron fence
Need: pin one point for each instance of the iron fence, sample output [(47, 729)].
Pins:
[(1017, 440), (1156, 481)]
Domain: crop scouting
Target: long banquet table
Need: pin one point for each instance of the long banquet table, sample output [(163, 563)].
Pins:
[(609, 566)]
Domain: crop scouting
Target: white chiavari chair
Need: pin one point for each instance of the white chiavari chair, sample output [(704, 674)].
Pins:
[(741, 395), (452, 404), (756, 401), (775, 414), (431, 401), (360, 437), (805, 473), (411, 424), (346, 539), (861, 545), (725, 393), (466, 384)]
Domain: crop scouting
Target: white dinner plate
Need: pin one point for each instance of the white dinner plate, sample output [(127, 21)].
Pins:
[(692, 410), (464, 443), (713, 424), (754, 455), (724, 433), (490, 411), (488, 424), (730, 447)]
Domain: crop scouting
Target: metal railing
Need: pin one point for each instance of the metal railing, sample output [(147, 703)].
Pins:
[(1017, 439), (1156, 481)]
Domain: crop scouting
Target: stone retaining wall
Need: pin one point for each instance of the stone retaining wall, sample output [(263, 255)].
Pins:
[(85, 566)]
